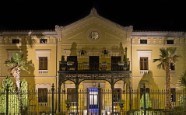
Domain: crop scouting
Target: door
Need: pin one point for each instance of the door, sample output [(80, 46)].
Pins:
[(114, 63), (93, 101), (94, 63)]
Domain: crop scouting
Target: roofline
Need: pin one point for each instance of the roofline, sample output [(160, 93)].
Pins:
[(29, 32), (158, 33)]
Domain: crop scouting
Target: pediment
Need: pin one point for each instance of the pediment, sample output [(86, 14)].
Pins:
[(84, 29)]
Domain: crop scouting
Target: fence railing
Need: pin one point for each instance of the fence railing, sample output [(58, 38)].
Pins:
[(134, 101)]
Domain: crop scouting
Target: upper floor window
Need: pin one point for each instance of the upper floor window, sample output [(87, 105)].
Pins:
[(43, 41), (170, 41), (144, 63), (43, 63), (42, 95), (15, 41), (143, 41), (172, 66)]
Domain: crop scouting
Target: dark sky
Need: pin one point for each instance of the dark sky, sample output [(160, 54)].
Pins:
[(45, 14)]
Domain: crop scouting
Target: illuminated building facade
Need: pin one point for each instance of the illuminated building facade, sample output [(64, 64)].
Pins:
[(93, 54)]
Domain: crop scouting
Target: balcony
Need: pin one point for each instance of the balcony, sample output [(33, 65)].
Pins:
[(93, 67)]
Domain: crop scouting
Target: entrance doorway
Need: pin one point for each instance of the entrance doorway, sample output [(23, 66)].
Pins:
[(93, 101)]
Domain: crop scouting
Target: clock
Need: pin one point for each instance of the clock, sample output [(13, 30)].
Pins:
[(94, 35)]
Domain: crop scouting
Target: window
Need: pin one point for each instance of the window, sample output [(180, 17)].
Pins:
[(173, 94), (43, 41), (172, 66), (71, 94), (43, 63), (170, 41), (143, 41), (144, 63), (15, 41), (117, 94), (42, 95)]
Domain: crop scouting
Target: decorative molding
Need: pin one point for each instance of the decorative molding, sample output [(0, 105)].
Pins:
[(43, 53), (47, 85), (144, 54)]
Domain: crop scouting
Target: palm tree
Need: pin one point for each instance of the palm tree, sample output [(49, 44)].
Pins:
[(17, 63), (166, 58)]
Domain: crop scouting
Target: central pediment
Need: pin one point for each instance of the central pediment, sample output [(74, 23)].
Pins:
[(95, 29)]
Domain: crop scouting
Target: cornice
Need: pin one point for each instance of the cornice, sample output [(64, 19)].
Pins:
[(29, 32), (159, 34)]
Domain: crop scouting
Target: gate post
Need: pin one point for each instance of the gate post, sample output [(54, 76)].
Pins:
[(53, 99), (7, 93)]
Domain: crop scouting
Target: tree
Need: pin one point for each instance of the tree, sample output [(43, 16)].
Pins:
[(17, 63), (166, 58)]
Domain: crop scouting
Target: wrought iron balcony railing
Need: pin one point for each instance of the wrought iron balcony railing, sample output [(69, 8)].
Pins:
[(85, 66)]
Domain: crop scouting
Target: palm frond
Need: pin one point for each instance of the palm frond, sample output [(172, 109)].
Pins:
[(155, 60), (17, 61)]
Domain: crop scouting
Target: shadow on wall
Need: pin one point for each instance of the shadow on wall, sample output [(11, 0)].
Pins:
[(148, 79)]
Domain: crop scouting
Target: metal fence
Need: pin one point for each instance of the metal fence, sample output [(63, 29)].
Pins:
[(134, 102)]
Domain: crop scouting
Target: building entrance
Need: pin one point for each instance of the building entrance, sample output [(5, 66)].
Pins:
[(93, 101)]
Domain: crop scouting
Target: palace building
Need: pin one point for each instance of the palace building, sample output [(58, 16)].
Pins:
[(94, 64)]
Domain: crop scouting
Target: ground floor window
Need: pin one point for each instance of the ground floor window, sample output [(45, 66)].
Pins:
[(42, 95)]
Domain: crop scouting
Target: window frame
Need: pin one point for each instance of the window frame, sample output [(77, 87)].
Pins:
[(142, 41), (15, 41), (144, 64), (43, 64), (42, 95), (169, 42), (43, 41)]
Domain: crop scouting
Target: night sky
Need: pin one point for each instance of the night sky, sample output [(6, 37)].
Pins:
[(45, 14)]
